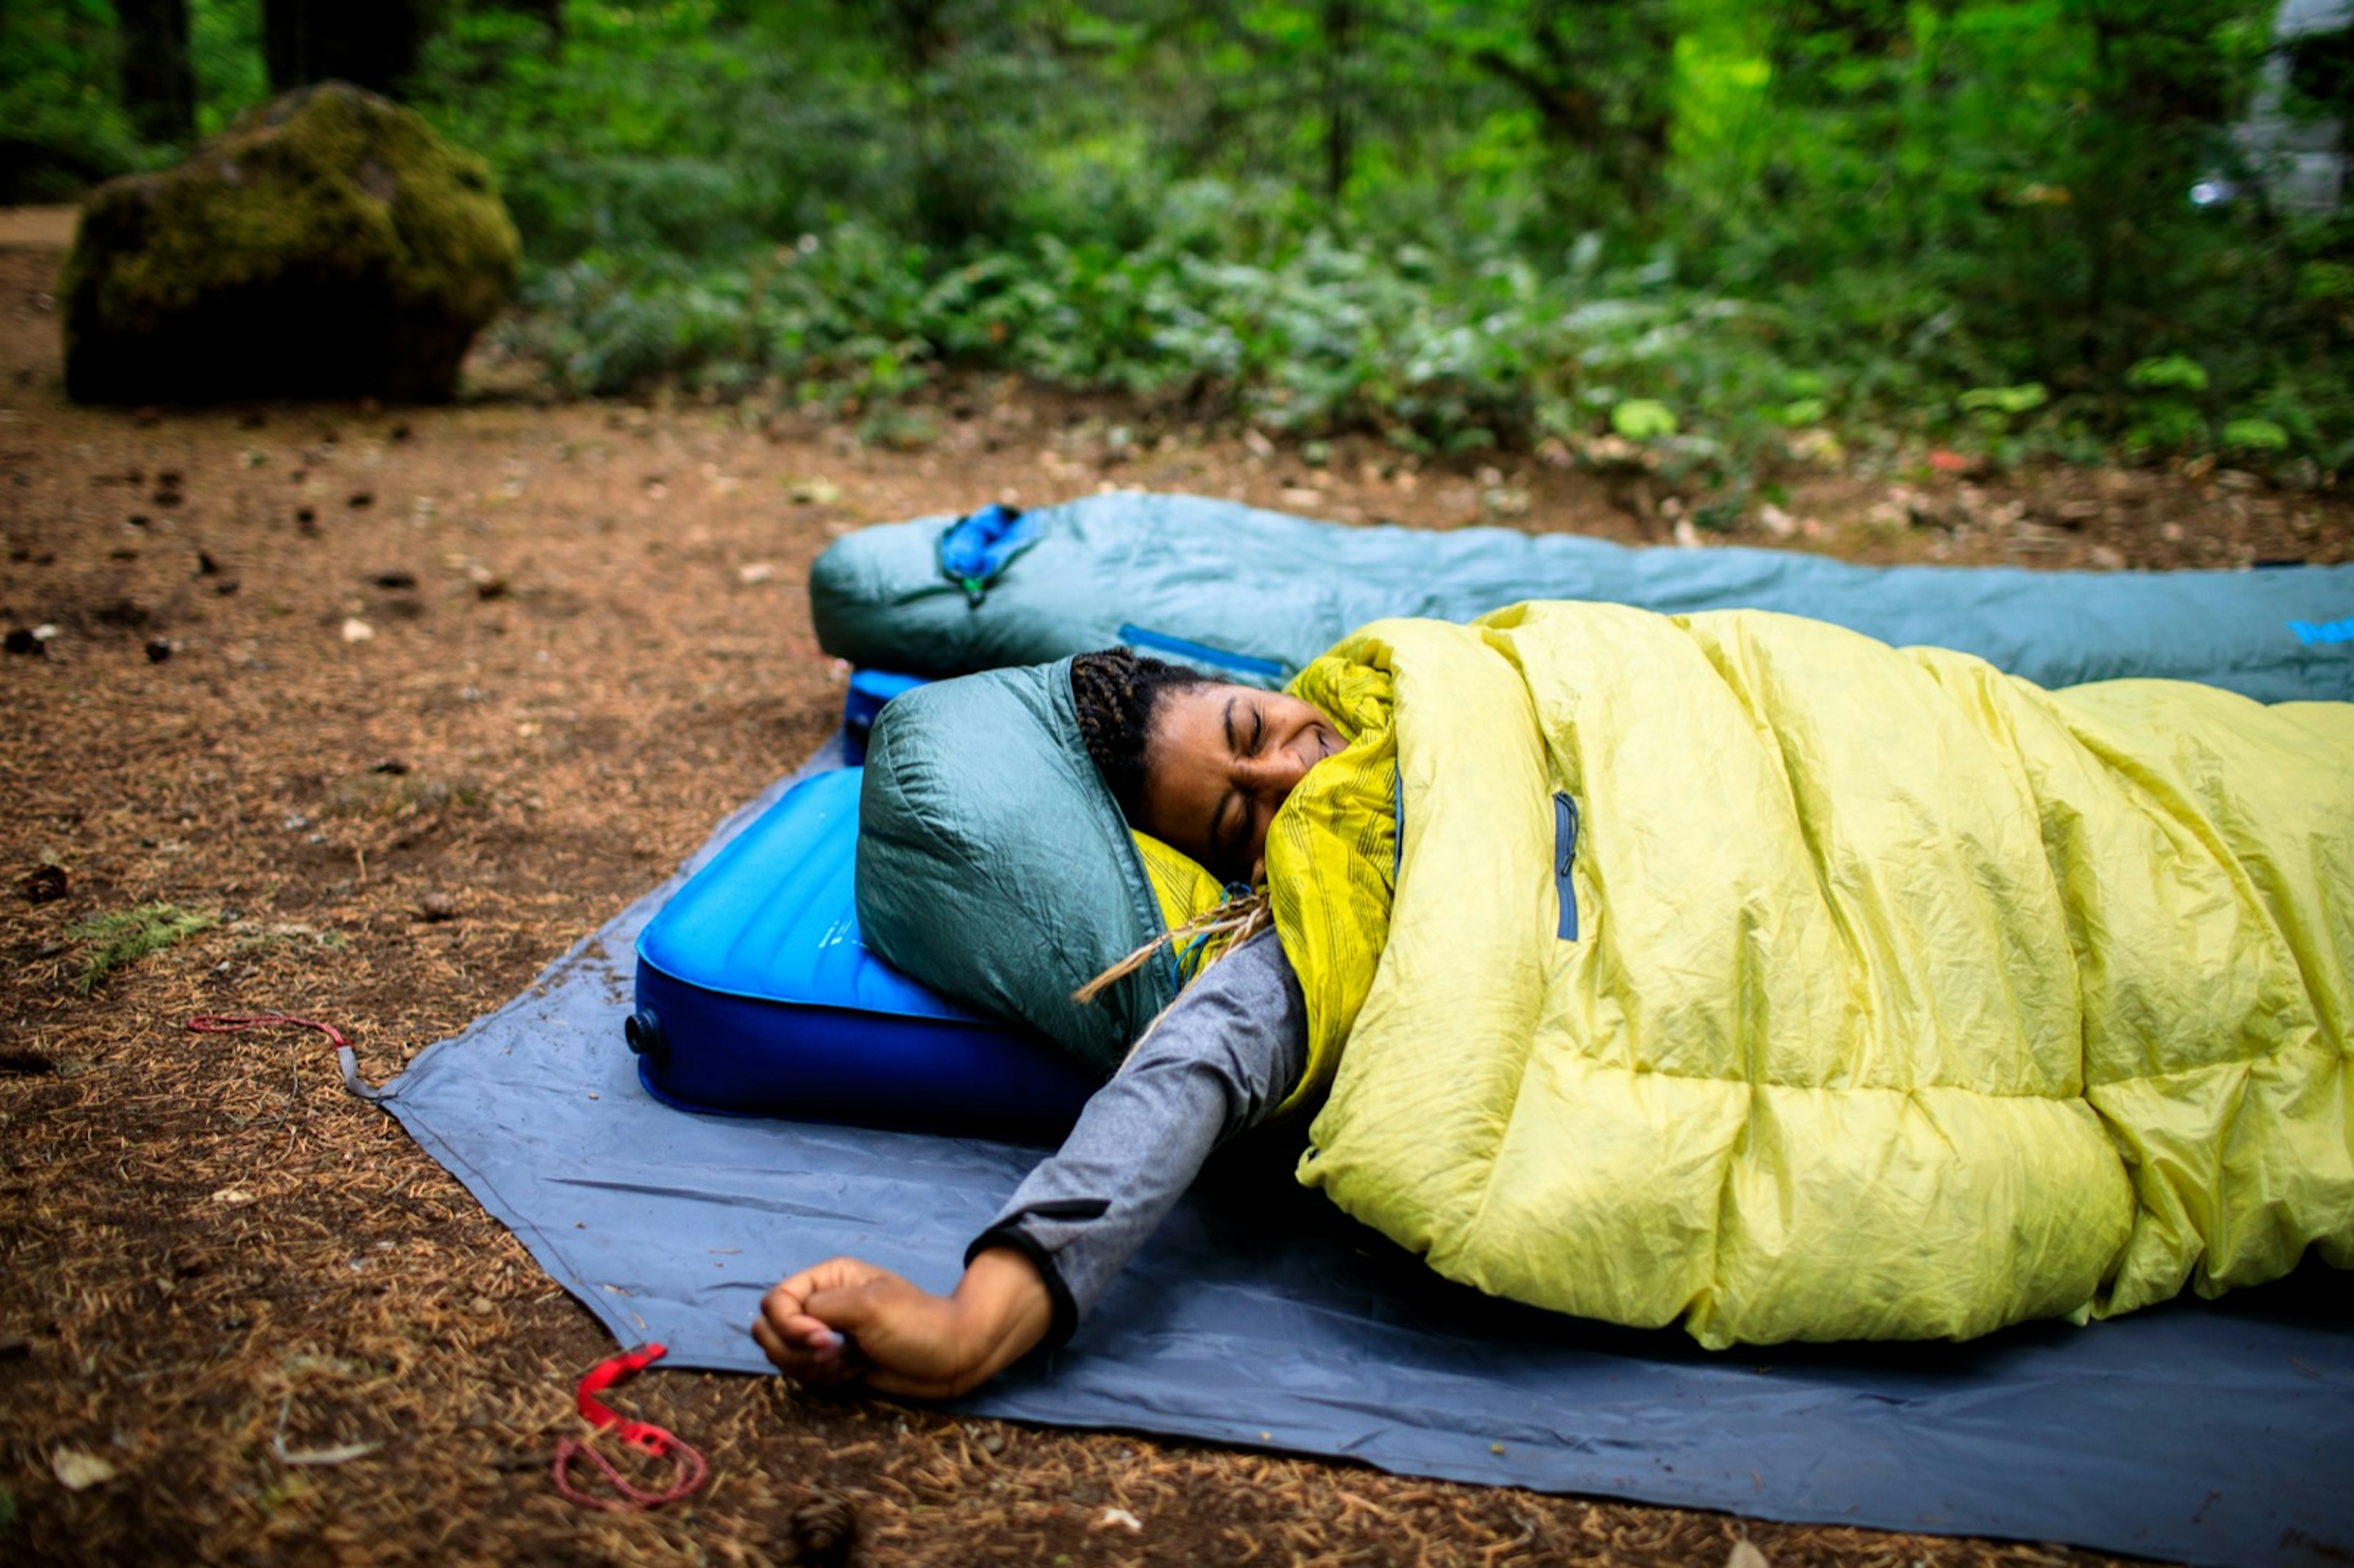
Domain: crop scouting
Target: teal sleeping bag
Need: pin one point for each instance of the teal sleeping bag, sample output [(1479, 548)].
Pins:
[(1254, 596)]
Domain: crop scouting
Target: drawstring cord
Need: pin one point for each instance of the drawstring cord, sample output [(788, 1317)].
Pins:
[(688, 1464), (232, 1023)]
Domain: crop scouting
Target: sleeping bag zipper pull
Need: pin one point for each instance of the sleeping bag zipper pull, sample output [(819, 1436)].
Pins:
[(1564, 852)]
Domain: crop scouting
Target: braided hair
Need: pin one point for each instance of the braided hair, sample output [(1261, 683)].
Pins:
[(1116, 691)]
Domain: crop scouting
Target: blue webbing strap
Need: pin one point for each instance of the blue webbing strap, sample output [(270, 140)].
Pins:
[(1203, 653)]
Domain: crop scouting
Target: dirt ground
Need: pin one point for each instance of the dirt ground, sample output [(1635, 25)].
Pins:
[(403, 702)]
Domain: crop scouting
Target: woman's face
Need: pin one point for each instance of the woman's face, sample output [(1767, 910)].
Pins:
[(1217, 762)]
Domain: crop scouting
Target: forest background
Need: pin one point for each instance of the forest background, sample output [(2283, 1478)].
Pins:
[(1734, 233)]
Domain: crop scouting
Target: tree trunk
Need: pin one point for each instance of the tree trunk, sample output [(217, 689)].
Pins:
[(371, 44), (1339, 86), (159, 87)]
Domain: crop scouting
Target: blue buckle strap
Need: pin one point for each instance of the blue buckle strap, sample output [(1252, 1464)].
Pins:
[(975, 548)]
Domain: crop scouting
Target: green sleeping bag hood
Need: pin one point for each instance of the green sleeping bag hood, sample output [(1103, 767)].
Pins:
[(994, 866)]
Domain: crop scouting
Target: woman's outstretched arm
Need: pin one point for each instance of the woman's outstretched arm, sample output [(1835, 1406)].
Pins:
[(1222, 1059)]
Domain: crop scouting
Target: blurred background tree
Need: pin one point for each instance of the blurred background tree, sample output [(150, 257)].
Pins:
[(369, 43), (2016, 228), (159, 84)]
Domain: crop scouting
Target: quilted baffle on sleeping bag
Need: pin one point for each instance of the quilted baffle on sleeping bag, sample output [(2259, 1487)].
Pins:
[(1902, 998)]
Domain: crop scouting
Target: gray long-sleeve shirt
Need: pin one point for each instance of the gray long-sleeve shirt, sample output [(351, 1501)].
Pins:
[(1222, 1057)]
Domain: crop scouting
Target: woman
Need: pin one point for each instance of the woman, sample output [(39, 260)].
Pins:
[(1202, 766), (1731, 969)]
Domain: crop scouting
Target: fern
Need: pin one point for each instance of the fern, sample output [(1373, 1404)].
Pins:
[(127, 936)]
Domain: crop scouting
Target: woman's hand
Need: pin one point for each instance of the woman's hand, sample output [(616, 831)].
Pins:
[(847, 1320)]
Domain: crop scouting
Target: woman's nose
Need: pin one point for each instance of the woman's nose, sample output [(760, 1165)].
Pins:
[(1270, 778)]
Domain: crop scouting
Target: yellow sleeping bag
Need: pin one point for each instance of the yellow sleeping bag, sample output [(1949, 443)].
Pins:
[(1904, 999)]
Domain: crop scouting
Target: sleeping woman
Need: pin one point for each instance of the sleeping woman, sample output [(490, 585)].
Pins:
[(1201, 767), (1729, 969)]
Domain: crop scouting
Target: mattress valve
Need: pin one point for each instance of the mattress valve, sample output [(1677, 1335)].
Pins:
[(644, 1032)]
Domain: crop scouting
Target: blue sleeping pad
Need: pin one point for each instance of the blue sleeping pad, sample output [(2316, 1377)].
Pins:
[(863, 704), (755, 996)]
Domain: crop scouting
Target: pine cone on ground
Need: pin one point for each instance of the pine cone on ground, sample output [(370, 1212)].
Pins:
[(823, 1529)]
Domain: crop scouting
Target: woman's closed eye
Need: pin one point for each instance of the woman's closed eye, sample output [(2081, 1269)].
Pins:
[(1236, 735)]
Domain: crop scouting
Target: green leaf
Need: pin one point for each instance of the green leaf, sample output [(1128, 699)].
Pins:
[(2255, 435), (1643, 419), (2171, 372), (2025, 397)]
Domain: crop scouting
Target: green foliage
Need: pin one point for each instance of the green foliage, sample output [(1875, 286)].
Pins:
[(1963, 224), (647, 128), (2164, 427), (126, 935), (2167, 373), (2255, 436), (1318, 337), (1997, 413), (1643, 419), (61, 126), (225, 51), (2166, 414), (2326, 283), (2004, 402), (1881, 217), (1807, 400)]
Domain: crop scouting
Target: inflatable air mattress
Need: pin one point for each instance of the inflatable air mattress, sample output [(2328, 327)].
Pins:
[(755, 996), (1254, 596), (862, 704)]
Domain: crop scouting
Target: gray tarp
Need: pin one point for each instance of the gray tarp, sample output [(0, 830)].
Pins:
[(2207, 1432)]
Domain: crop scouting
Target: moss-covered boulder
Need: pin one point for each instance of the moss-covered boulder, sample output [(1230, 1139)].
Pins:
[(328, 244)]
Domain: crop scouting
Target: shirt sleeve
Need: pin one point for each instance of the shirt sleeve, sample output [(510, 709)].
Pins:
[(1221, 1059)]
